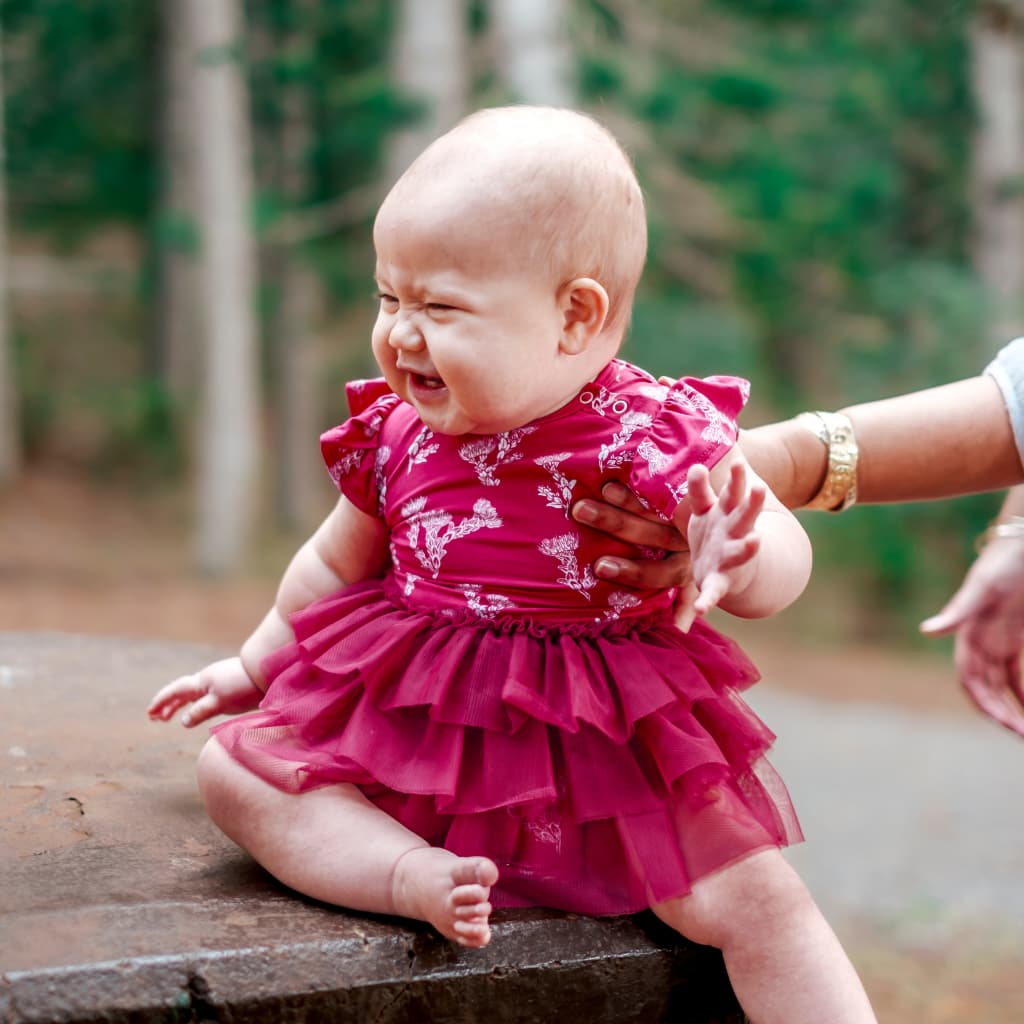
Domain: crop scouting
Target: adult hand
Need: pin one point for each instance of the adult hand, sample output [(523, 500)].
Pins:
[(222, 688), (987, 616), (623, 517)]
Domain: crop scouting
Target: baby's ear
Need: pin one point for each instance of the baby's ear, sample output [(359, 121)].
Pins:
[(584, 305)]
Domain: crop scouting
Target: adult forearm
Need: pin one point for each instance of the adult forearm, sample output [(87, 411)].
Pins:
[(944, 441)]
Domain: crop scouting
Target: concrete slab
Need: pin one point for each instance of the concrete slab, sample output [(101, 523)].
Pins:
[(913, 819), (119, 901)]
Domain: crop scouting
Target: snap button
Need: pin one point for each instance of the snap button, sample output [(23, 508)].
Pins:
[(620, 406)]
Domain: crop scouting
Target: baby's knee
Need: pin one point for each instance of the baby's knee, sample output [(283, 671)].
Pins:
[(217, 776), (755, 896)]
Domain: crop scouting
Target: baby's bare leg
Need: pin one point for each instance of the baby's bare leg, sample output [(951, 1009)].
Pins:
[(336, 846), (784, 961)]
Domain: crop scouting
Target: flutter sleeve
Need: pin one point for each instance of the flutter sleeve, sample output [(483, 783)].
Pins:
[(351, 450), (696, 424)]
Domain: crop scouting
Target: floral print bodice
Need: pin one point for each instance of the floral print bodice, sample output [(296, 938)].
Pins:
[(480, 524)]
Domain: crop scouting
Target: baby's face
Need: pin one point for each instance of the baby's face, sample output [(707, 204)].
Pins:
[(466, 332)]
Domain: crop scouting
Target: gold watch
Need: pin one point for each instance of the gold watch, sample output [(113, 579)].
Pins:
[(835, 431)]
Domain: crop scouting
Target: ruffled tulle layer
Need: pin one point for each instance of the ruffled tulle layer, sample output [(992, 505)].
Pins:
[(602, 766)]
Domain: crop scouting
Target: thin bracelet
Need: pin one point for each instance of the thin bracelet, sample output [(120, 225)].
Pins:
[(1012, 526), (835, 431)]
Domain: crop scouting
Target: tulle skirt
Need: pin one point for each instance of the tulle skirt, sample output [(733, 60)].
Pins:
[(603, 766)]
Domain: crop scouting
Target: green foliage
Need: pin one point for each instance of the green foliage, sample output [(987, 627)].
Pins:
[(331, 58), (805, 163), (675, 336), (143, 441), (831, 136), (79, 118)]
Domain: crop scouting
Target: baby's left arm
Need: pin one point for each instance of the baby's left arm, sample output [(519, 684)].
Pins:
[(751, 557)]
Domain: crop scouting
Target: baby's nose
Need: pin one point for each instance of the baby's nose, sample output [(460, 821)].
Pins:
[(405, 334)]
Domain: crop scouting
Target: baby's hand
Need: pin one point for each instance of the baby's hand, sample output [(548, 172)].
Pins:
[(222, 688), (721, 535)]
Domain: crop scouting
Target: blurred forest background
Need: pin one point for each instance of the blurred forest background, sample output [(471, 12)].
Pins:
[(188, 186)]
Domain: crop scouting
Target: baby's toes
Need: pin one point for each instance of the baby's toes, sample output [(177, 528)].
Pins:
[(472, 934), (473, 911), (475, 870), (467, 895)]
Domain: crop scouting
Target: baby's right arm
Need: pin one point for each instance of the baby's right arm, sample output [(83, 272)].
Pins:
[(347, 547)]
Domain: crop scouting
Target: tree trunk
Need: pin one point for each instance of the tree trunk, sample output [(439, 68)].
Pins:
[(533, 54), (997, 75), (429, 64), (10, 435), (300, 472), (229, 428), (176, 326)]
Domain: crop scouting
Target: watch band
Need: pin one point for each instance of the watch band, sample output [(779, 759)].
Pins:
[(835, 431)]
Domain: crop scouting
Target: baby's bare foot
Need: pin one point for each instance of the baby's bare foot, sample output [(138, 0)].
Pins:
[(447, 891)]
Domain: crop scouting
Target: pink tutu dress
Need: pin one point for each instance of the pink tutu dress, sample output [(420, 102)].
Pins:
[(494, 696)]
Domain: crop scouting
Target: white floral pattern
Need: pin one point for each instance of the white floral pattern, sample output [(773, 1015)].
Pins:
[(559, 496), (488, 453), (440, 529), (546, 831), (347, 463), (601, 400), (610, 458), (564, 548), (380, 474), (421, 449), (619, 601), (483, 605), (656, 391), (657, 461), (720, 428)]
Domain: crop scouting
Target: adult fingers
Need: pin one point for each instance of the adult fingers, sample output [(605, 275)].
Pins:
[(631, 527), (986, 687), (645, 573), (949, 618), (991, 682)]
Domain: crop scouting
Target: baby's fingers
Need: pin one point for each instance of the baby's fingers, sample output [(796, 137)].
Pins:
[(718, 583), (746, 518), (173, 696), (684, 612), (738, 552), (204, 708), (699, 490), (712, 590)]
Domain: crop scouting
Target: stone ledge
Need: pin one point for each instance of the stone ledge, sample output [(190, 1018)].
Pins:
[(121, 903), (540, 967)]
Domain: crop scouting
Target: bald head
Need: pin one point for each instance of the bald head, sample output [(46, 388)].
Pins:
[(554, 186)]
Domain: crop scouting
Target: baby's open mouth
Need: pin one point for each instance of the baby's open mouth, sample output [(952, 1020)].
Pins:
[(431, 383)]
